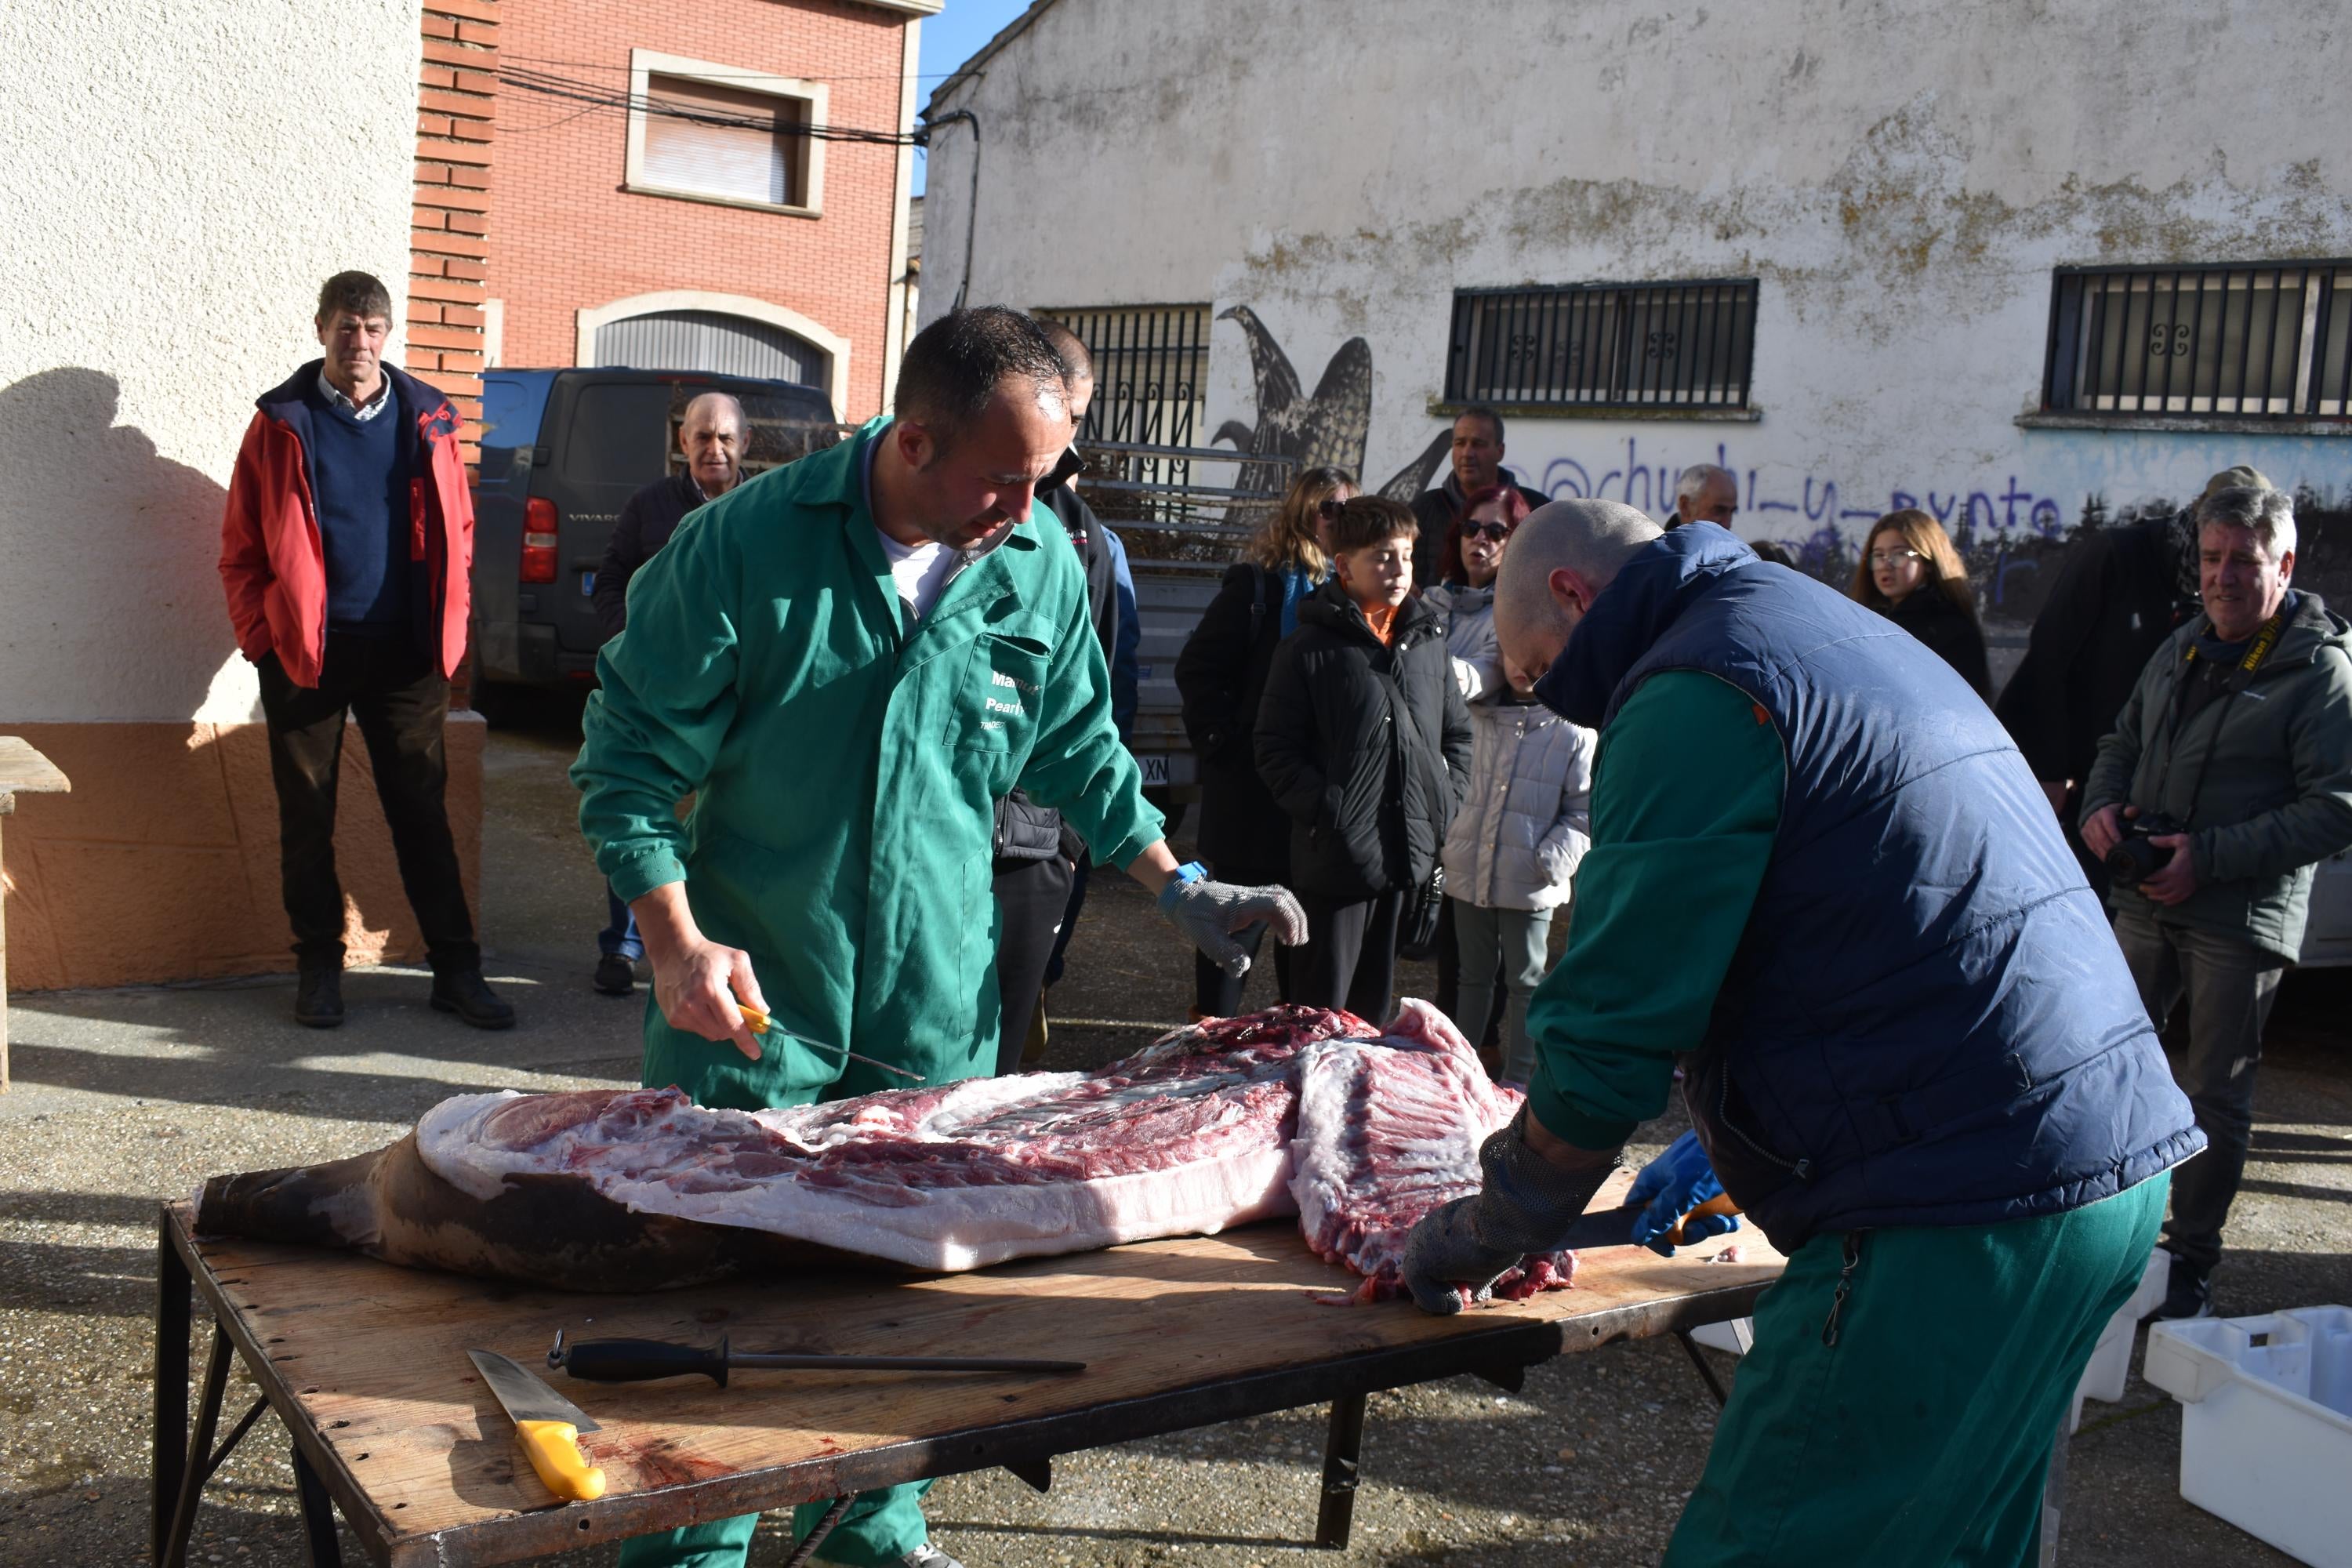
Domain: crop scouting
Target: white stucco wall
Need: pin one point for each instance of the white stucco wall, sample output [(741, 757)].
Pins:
[(1901, 178), (182, 176)]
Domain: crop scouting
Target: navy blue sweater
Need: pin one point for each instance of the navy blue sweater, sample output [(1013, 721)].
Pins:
[(359, 474)]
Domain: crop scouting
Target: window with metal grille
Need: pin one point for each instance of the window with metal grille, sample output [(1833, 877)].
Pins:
[(717, 134), (1151, 364), (1604, 345), (2254, 340)]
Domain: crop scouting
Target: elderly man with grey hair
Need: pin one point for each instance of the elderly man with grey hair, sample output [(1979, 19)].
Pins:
[(1704, 493), (1823, 880), (2227, 778), (711, 437)]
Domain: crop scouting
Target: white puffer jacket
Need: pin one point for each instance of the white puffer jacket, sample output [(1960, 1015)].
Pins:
[(1527, 818), (1468, 616)]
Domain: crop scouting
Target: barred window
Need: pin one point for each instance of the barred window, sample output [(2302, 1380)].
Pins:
[(1604, 345), (2267, 339), (1151, 365)]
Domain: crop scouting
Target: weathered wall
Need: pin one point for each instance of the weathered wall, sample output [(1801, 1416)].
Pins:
[(181, 178), (1900, 177)]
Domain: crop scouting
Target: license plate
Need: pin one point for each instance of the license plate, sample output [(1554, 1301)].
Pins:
[(1154, 766), (587, 585)]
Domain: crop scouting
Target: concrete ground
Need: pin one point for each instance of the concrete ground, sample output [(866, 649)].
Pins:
[(126, 1096)]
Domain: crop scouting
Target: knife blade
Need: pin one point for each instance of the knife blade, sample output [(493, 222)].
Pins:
[(1614, 1227), (549, 1425)]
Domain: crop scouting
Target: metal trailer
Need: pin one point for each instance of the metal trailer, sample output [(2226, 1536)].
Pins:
[(1182, 532)]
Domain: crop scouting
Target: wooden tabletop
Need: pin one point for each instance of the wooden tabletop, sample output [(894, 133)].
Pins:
[(368, 1364), (24, 771)]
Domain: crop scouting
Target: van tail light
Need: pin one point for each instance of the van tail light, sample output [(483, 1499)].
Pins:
[(538, 540)]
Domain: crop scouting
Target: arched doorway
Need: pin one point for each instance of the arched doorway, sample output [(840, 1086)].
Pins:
[(711, 341), (730, 334)]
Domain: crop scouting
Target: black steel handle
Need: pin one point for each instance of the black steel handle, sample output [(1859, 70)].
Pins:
[(640, 1361)]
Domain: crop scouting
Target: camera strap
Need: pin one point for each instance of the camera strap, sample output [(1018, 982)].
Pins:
[(2240, 675)]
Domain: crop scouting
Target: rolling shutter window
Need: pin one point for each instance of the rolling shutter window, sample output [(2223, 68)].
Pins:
[(739, 146)]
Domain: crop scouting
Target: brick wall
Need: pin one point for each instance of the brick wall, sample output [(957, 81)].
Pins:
[(450, 258), (570, 238)]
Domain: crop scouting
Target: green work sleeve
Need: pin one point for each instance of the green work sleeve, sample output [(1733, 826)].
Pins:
[(664, 699), (1686, 798)]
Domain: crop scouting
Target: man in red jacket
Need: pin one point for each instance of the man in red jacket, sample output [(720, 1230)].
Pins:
[(345, 551)]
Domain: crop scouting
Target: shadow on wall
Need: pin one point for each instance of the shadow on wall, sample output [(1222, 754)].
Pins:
[(112, 599), (162, 863)]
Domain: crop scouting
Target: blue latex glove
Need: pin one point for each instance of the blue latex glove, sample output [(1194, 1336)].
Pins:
[(1670, 1185)]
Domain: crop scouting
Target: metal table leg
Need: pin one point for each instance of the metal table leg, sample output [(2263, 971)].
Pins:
[(1341, 1451), (1713, 1385), (323, 1548), (199, 1463), (174, 1294)]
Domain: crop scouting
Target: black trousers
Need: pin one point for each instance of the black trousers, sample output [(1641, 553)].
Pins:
[(1217, 995), (1031, 898), (1350, 958), (401, 702)]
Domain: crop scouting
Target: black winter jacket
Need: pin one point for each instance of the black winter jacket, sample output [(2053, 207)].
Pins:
[(647, 519), (1370, 791), (1221, 675), (1929, 614), (2115, 601)]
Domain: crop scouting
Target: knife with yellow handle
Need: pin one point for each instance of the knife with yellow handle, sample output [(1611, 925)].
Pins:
[(549, 1425)]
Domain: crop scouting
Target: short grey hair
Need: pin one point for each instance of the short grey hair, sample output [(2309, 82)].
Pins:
[(1594, 538), (2270, 513), (726, 400), (1697, 476)]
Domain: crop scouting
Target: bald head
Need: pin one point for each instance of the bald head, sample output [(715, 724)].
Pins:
[(711, 434), (1078, 367), (1560, 559)]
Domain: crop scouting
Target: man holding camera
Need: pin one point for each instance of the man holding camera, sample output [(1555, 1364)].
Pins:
[(2228, 777)]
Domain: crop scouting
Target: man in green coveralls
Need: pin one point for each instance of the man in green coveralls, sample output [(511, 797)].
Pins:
[(848, 660), (1823, 879)]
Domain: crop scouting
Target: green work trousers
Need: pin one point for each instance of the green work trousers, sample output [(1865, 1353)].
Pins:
[(880, 1527), (1905, 1387)]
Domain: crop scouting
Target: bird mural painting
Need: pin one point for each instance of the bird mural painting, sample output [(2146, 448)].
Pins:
[(1329, 428)]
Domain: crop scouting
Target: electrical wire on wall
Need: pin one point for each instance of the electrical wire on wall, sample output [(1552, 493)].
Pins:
[(594, 98)]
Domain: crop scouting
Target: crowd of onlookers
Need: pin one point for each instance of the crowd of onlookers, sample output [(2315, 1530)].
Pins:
[(1359, 740)]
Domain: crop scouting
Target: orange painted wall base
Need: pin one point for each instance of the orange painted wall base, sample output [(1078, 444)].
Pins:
[(162, 863)]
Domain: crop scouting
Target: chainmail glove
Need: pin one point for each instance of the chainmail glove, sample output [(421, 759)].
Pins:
[(1526, 1205), (1209, 913)]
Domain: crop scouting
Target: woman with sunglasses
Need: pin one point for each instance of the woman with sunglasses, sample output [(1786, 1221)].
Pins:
[(1910, 573), (1464, 597), (1221, 675)]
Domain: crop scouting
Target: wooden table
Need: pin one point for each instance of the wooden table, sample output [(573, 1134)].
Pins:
[(366, 1366), (23, 771)]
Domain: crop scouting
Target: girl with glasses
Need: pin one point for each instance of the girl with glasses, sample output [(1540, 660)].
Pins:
[(1910, 573)]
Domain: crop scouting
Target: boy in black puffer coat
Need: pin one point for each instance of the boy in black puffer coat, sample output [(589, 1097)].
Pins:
[(1364, 740)]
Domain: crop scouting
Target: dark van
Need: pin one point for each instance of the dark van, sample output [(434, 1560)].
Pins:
[(561, 450)]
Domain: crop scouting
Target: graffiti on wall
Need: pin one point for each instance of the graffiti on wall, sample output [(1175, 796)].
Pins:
[(1327, 428)]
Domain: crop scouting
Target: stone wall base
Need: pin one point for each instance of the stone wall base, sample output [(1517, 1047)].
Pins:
[(162, 863)]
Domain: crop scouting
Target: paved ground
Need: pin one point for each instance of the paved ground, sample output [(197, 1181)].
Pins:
[(125, 1096)]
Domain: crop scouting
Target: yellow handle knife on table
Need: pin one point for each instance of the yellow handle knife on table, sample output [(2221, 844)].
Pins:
[(549, 1425)]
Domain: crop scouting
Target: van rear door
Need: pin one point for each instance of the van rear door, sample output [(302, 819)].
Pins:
[(608, 436)]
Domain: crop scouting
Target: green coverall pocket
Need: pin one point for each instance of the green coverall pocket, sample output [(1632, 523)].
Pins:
[(995, 707)]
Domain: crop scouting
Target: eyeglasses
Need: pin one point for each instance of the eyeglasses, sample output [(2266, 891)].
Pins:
[(1894, 557), (1328, 507), (1498, 532)]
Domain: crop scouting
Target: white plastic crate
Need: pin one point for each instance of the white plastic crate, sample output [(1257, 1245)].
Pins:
[(2110, 1364), (2266, 1424)]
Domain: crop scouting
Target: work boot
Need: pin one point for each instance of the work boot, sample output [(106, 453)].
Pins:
[(465, 993), (928, 1556), (2189, 1295), (615, 975), (319, 997)]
